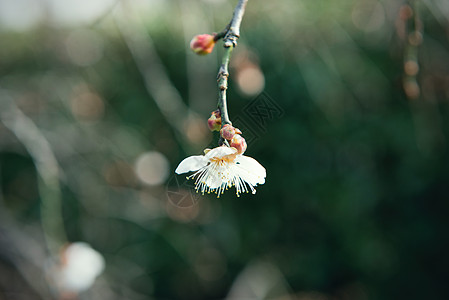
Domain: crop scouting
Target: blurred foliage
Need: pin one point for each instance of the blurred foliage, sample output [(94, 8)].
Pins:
[(355, 203)]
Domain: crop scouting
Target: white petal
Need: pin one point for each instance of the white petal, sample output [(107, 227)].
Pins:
[(213, 181), (250, 170), (216, 176), (220, 152), (192, 163)]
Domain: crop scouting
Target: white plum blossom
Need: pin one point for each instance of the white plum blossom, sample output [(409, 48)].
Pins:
[(221, 168)]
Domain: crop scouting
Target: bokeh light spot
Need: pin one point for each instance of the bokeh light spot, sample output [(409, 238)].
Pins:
[(412, 89), (251, 80), (119, 173), (411, 67), (197, 131), (152, 168), (87, 106), (84, 47)]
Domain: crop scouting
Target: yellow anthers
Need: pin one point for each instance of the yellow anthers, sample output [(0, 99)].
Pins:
[(222, 168)]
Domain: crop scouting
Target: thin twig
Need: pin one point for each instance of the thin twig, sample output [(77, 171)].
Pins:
[(230, 36), (233, 33), (223, 74), (222, 33)]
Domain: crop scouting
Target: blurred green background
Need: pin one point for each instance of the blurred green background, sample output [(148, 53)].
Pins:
[(100, 101)]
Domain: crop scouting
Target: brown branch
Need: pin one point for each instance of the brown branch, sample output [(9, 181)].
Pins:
[(230, 36)]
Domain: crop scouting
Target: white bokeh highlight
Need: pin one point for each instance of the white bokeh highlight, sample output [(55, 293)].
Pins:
[(152, 168), (79, 268)]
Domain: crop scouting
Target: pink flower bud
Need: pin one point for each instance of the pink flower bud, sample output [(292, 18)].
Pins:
[(227, 132), (239, 143), (202, 44), (214, 122), (216, 113)]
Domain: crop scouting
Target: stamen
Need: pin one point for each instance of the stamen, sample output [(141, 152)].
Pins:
[(220, 172)]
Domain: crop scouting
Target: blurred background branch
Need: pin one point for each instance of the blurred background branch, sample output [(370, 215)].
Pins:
[(47, 167), (158, 84)]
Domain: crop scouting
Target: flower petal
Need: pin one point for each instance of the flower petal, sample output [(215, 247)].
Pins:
[(219, 152), (192, 163), (213, 181), (250, 170)]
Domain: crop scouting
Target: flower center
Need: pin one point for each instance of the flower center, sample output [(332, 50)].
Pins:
[(223, 160)]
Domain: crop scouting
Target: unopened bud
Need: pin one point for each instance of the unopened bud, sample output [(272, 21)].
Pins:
[(202, 44), (239, 143), (227, 132), (214, 122)]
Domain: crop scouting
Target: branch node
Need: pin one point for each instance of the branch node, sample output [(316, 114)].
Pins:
[(230, 36)]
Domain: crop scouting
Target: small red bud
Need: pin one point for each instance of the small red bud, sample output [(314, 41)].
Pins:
[(214, 122), (227, 132), (216, 113), (239, 143), (202, 44)]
